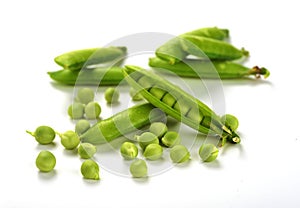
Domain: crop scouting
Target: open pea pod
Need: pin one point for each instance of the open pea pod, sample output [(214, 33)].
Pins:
[(177, 103)]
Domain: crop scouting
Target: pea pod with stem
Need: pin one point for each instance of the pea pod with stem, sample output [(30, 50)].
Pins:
[(75, 60), (122, 123), (177, 103), (210, 70)]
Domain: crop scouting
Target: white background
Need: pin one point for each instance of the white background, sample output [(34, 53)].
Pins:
[(263, 171)]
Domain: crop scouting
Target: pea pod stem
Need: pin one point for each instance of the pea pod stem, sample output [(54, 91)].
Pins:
[(177, 103)]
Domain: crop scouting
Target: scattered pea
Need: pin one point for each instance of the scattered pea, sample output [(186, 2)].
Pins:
[(129, 150), (208, 152), (82, 126), (153, 152), (43, 134), (76, 110), (86, 150), (147, 138), (171, 138), (179, 154), (90, 170), (85, 95), (230, 121), (158, 128), (69, 139), (111, 95), (45, 161), (92, 110), (135, 96), (138, 168)]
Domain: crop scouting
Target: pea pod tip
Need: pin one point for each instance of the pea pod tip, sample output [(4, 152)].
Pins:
[(258, 71)]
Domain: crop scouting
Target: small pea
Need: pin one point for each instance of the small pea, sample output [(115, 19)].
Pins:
[(135, 96), (158, 128), (69, 139), (82, 126), (90, 170), (171, 138), (112, 95), (45, 161), (85, 95), (230, 121), (153, 152), (92, 110), (147, 138), (179, 154), (76, 110), (86, 150), (208, 152), (138, 168), (43, 134), (129, 150)]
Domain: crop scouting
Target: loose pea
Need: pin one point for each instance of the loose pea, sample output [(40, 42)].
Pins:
[(147, 138), (69, 139), (85, 95), (138, 168), (136, 96), (179, 154), (171, 138), (208, 152), (90, 170), (92, 110), (43, 134), (153, 152), (230, 121), (82, 126), (129, 150), (158, 128), (111, 95), (45, 161), (86, 150), (76, 110)]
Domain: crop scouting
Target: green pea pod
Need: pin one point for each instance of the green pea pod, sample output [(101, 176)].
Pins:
[(207, 48), (177, 103), (210, 32), (122, 123), (111, 76), (75, 60), (210, 70)]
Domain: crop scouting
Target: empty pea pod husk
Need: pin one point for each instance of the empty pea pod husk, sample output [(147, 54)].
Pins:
[(75, 60), (177, 103), (122, 123), (97, 76), (208, 70)]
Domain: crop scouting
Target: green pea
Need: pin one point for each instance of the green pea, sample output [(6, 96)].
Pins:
[(92, 110), (82, 126), (158, 128), (85, 95), (43, 134), (153, 152), (171, 138), (90, 170), (179, 154), (138, 168), (208, 152), (129, 150), (230, 121), (86, 150), (136, 96), (111, 95), (45, 161), (69, 139), (76, 110), (147, 138)]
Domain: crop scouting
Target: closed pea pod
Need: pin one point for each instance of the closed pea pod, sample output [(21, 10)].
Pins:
[(210, 32), (210, 70), (179, 104)]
